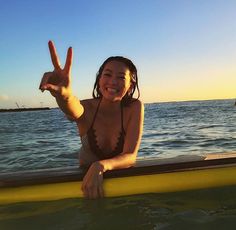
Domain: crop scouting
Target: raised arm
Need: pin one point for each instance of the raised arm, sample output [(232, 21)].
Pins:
[(58, 83)]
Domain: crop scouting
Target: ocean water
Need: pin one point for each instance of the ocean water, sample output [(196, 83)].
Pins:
[(202, 209), (45, 139)]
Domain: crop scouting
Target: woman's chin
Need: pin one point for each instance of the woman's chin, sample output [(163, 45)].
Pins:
[(112, 98)]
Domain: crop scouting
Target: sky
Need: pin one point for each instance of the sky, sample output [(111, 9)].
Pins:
[(183, 49)]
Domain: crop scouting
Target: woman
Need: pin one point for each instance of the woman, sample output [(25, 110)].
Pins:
[(110, 124)]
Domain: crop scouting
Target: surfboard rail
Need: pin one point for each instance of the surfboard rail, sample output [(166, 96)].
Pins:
[(153, 175)]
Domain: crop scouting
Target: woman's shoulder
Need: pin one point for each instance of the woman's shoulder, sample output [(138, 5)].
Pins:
[(89, 108), (135, 104), (84, 122), (135, 108), (90, 103), (138, 102), (134, 116)]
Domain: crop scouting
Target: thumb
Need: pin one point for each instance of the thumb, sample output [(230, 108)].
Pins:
[(51, 88)]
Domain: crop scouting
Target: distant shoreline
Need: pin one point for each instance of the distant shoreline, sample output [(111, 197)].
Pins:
[(23, 109), (190, 101)]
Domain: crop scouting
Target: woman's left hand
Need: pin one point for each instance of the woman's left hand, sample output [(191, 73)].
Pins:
[(92, 185)]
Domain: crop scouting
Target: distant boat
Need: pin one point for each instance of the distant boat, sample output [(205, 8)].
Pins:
[(24, 109)]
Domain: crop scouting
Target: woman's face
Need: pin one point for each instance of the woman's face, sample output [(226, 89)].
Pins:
[(115, 81)]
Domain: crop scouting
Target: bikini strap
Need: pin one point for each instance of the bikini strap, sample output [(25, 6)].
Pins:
[(95, 114), (121, 111), (122, 125)]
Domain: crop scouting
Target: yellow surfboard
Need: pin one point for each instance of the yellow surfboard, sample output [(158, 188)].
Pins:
[(148, 176)]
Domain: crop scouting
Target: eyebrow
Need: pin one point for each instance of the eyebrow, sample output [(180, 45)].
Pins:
[(108, 70), (123, 73)]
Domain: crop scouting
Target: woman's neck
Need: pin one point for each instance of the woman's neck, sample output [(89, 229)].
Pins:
[(108, 106)]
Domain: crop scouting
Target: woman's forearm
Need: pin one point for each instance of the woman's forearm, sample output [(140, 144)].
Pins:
[(71, 106), (124, 160)]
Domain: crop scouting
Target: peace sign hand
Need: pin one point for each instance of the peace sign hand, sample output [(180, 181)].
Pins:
[(58, 82)]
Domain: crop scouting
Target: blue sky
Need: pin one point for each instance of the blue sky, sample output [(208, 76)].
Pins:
[(184, 50)]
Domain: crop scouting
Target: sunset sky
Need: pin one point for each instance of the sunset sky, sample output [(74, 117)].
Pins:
[(183, 49)]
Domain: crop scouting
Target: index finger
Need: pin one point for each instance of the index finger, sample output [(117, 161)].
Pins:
[(54, 57), (100, 191)]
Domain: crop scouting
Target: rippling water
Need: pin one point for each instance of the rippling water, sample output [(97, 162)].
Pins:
[(203, 209), (42, 139), (189, 128)]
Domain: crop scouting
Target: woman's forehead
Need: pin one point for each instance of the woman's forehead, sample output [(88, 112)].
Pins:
[(116, 66)]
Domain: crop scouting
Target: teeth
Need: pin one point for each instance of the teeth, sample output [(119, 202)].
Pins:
[(111, 90)]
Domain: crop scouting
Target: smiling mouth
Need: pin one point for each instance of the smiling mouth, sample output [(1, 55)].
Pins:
[(112, 90)]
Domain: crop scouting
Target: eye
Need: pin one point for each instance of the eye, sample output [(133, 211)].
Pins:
[(121, 77), (107, 75)]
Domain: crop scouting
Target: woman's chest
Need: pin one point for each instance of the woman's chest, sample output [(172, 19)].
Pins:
[(107, 133)]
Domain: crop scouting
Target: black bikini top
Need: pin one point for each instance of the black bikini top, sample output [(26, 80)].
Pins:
[(93, 140)]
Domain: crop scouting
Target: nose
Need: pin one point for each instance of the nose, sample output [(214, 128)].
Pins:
[(113, 80)]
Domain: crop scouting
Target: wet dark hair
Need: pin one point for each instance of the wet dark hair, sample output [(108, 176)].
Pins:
[(128, 98)]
